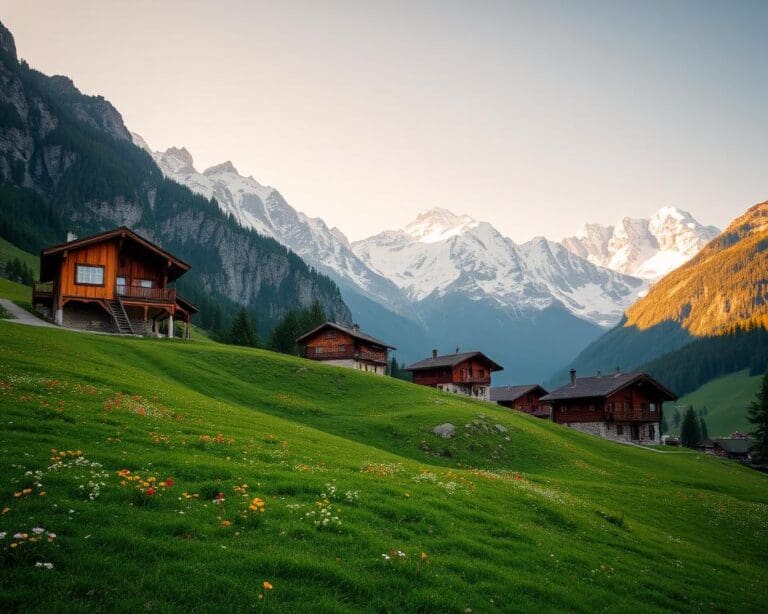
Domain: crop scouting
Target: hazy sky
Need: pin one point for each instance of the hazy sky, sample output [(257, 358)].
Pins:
[(535, 116)]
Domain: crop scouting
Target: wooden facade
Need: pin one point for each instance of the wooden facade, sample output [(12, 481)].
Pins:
[(346, 347), (526, 398), (114, 280), (620, 406), (467, 373)]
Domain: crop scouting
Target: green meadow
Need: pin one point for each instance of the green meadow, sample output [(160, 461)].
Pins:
[(135, 472)]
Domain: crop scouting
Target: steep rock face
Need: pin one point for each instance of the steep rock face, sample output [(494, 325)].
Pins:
[(646, 248), (75, 155), (264, 209)]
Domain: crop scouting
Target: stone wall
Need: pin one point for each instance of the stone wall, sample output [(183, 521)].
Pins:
[(610, 430), (88, 316)]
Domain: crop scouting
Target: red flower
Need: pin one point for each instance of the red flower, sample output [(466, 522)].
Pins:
[(169, 482), (150, 491)]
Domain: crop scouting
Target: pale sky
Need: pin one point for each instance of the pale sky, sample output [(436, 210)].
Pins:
[(534, 116)]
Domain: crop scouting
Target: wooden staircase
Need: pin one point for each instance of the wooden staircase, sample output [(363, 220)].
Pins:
[(121, 318)]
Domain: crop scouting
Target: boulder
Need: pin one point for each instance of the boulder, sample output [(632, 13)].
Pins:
[(446, 431), (501, 428)]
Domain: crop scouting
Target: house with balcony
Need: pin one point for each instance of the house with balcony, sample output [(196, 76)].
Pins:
[(524, 398), (346, 346), (467, 373), (623, 407), (115, 281)]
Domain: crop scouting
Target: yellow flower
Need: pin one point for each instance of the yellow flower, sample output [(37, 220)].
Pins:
[(13, 545), (267, 586), (6, 510), (423, 556)]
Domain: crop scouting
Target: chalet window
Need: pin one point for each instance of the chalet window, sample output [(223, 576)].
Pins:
[(330, 334), (319, 350), (609, 407), (121, 281), (619, 429), (145, 283), (653, 406), (591, 407), (342, 348), (89, 275)]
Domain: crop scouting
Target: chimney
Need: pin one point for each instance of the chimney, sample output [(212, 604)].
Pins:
[(356, 327), (599, 373), (457, 350), (618, 369), (434, 353), (573, 377)]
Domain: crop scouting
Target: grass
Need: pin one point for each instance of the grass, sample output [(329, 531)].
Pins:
[(537, 516), (727, 400), (8, 251)]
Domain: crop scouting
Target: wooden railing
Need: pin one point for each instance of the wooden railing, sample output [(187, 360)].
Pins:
[(636, 412), (149, 294), (313, 354), (42, 288)]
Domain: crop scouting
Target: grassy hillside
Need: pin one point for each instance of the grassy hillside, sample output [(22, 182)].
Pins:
[(727, 400), (529, 515), (8, 251)]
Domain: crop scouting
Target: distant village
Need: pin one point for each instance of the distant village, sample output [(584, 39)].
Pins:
[(118, 281)]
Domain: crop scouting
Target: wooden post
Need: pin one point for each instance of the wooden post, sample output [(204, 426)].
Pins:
[(170, 325)]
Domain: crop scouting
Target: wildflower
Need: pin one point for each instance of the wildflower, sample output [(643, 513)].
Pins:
[(169, 482), (45, 565), (6, 510), (423, 556), (3, 534), (267, 586), (225, 523), (38, 530), (150, 491)]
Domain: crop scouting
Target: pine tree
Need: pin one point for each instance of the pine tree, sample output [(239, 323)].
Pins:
[(283, 337), (689, 430), (243, 331), (703, 429), (758, 416)]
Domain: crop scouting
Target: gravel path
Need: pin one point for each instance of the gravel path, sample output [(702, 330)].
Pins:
[(22, 316)]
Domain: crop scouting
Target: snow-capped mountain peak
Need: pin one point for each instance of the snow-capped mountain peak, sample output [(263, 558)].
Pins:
[(647, 247), (221, 169), (438, 224)]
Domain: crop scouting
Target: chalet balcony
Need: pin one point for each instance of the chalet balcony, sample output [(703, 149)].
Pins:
[(162, 295), (42, 288), (637, 413), (473, 379), (350, 354)]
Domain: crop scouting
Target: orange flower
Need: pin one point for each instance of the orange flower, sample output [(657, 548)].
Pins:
[(267, 586), (225, 523)]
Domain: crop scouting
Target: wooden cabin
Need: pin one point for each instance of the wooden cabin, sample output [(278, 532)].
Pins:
[(346, 346), (526, 398), (114, 281), (619, 406), (467, 373)]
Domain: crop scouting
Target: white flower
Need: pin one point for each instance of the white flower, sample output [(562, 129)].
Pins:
[(46, 565), (18, 536), (385, 557), (52, 535), (2, 534), (38, 530)]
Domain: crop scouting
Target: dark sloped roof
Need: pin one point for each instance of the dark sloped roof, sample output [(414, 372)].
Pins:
[(603, 386), (734, 446), (512, 393), (451, 360), (47, 270), (353, 332)]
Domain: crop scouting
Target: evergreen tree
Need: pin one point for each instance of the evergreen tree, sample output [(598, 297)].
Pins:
[(243, 331), (703, 429), (758, 416), (283, 337), (690, 434), (309, 318)]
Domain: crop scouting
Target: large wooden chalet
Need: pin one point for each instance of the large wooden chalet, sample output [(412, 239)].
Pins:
[(467, 373), (619, 406), (346, 346), (115, 281), (526, 398)]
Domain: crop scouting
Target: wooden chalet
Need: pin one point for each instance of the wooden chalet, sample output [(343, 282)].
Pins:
[(346, 346), (467, 373), (526, 398), (114, 281), (619, 406)]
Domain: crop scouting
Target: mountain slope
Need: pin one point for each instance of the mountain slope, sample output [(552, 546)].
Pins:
[(718, 294), (646, 248), (67, 163), (540, 517), (264, 209)]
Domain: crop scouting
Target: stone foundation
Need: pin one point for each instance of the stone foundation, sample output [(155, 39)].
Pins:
[(88, 316), (351, 363), (468, 390), (621, 431)]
